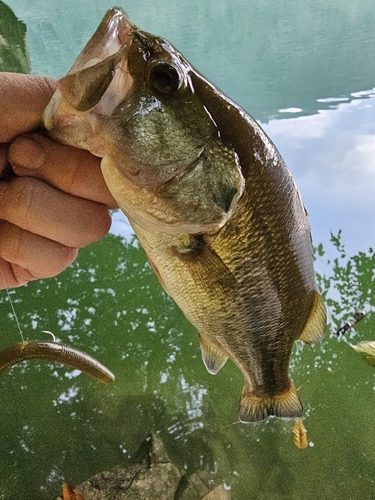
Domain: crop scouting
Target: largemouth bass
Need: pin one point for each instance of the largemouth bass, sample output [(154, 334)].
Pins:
[(209, 198)]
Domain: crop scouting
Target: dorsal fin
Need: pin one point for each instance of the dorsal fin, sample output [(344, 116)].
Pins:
[(315, 325)]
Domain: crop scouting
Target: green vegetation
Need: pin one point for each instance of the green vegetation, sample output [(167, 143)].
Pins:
[(13, 50), (349, 284)]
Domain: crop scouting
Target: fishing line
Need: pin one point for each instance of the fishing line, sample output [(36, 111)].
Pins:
[(11, 303), (51, 351)]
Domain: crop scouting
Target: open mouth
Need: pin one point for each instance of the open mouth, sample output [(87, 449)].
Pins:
[(99, 66), (94, 86)]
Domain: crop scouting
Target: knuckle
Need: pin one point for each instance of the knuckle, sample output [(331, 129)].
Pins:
[(31, 255), (21, 197), (11, 248), (21, 276), (74, 181), (47, 85), (6, 133), (104, 222), (100, 224)]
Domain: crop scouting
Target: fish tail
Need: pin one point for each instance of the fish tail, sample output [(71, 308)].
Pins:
[(254, 408)]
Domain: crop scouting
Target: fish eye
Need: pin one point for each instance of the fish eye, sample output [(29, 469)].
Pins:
[(164, 77)]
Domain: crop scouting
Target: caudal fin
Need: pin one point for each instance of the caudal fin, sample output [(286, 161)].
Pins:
[(256, 408)]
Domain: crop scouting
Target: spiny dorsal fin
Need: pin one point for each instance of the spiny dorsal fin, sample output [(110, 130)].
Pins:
[(213, 357), (315, 326), (257, 408)]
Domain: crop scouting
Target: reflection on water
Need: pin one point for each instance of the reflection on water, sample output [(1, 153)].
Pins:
[(266, 55), (307, 67), (331, 155), (58, 424), (307, 63)]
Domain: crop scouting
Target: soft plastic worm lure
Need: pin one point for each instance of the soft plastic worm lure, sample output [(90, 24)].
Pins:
[(53, 351)]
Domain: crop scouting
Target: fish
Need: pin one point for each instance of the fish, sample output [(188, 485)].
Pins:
[(54, 351), (209, 198)]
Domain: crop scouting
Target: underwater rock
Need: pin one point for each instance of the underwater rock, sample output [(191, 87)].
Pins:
[(154, 477)]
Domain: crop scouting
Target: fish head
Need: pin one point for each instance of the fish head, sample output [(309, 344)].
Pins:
[(161, 127), (129, 99)]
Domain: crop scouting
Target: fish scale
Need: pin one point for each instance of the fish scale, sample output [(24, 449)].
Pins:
[(209, 198)]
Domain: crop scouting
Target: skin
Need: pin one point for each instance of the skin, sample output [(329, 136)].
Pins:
[(53, 199)]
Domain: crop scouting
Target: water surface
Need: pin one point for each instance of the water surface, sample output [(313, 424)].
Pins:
[(302, 69)]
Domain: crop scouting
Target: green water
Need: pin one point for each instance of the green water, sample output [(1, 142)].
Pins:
[(57, 424)]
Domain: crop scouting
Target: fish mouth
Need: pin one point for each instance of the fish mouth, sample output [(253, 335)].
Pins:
[(112, 35), (100, 62), (94, 86)]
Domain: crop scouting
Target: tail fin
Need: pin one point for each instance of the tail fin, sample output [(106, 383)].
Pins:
[(256, 408)]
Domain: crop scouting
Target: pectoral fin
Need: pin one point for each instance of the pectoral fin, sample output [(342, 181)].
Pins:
[(255, 408), (213, 357), (315, 326), (205, 265)]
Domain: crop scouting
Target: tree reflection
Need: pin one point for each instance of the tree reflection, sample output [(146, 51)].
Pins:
[(109, 304), (13, 50), (59, 424), (348, 286)]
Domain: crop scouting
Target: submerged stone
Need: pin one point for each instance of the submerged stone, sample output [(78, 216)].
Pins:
[(155, 477)]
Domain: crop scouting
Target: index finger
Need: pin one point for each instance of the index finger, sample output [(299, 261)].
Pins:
[(22, 102)]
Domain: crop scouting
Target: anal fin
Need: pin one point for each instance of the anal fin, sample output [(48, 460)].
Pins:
[(255, 408), (213, 357), (314, 329)]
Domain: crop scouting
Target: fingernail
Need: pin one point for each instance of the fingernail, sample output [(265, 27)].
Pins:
[(26, 153)]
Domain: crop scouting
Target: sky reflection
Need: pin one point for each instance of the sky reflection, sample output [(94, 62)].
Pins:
[(331, 156), (280, 61)]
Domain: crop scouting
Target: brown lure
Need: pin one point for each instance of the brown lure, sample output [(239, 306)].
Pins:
[(299, 434), (54, 351)]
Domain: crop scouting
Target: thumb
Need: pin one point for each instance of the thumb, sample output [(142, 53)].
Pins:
[(22, 102)]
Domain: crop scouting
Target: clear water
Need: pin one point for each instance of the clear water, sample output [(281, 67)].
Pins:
[(303, 69)]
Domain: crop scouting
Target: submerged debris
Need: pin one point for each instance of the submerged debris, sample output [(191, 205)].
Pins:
[(152, 477), (351, 322), (367, 349), (70, 494)]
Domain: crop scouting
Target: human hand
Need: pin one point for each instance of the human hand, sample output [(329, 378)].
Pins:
[(53, 199)]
